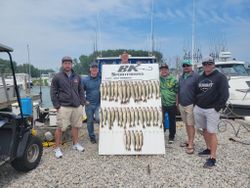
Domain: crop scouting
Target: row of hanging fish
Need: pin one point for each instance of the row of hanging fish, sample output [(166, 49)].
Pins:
[(133, 139), (130, 116), (123, 91)]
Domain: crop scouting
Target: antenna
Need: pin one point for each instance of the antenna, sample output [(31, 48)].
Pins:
[(98, 35)]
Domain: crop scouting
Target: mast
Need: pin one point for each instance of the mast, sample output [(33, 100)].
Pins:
[(193, 32), (29, 71), (152, 27)]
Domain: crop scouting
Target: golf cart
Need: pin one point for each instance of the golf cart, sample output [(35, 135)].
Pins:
[(17, 144)]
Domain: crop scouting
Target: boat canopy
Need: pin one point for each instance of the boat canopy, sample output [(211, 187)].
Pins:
[(4, 48)]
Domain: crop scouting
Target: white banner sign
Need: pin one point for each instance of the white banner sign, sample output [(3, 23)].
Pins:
[(130, 113)]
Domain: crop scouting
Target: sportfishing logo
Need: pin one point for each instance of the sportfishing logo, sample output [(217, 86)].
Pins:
[(205, 85), (132, 70)]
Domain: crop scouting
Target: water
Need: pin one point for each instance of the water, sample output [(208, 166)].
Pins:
[(46, 100)]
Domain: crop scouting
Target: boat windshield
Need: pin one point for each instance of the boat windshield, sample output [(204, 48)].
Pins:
[(233, 69)]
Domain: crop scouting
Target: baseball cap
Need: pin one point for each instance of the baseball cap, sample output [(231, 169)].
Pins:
[(67, 58), (93, 64), (208, 60), (163, 65), (186, 62)]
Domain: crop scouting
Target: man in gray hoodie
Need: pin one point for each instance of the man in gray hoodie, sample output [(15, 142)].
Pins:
[(67, 96)]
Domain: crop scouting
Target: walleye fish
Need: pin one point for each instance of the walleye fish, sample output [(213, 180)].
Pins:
[(139, 91), (132, 89), (128, 115), (129, 140), (147, 89), (124, 117), (135, 85), (137, 122), (152, 117), (137, 138), (123, 92), (115, 114), (132, 114), (116, 91), (160, 118), (141, 117), (109, 118), (141, 139), (100, 118), (120, 91), (112, 88), (104, 113), (156, 116), (154, 88), (133, 139), (157, 89), (144, 95), (119, 119), (102, 91), (148, 116), (128, 91), (125, 138), (144, 112), (150, 86)]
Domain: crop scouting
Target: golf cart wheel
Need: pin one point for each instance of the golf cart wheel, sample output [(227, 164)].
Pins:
[(31, 157)]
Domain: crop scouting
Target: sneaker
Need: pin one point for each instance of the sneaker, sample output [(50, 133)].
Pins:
[(170, 141), (78, 147), (209, 163), (93, 140), (58, 153), (204, 152)]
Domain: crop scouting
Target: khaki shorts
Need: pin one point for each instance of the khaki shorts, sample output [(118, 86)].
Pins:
[(67, 116), (187, 114), (206, 119)]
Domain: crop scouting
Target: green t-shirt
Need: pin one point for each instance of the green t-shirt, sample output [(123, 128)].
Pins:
[(168, 89)]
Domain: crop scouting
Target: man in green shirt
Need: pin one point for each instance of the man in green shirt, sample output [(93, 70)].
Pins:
[(168, 89)]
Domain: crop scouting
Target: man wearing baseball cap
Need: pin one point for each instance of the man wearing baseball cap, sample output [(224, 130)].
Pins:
[(186, 99), (212, 92), (91, 85), (168, 89), (67, 96)]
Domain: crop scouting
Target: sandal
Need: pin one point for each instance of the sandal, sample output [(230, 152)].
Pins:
[(184, 144), (190, 151)]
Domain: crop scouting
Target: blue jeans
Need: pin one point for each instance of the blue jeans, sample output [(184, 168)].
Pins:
[(92, 112)]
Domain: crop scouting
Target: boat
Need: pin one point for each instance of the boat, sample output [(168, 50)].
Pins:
[(238, 104)]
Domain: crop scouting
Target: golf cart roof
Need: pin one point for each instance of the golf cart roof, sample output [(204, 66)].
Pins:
[(4, 48)]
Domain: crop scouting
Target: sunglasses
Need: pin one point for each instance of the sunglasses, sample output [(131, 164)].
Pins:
[(185, 65)]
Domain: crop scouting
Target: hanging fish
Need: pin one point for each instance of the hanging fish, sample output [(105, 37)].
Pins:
[(156, 116), (135, 85), (137, 122), (120, 91), (144, 95), (148, 116), (152, 117), (146, 83), (144, 112), (100, 118), (137, 138), (160, 118), (128, 115), (157, 83), (132, 90), (116, 91), (124, 92), (128, 92), (141, 139), (109, 116), (133, 139), (129, 140), (141, 117), (124, 117), (125, 138), (119, 119), (104, 91), (150, 86), (104, 113), (132, 114), (139, 91), (115, 114)]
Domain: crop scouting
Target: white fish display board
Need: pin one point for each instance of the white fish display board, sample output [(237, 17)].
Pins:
[(130, 112)]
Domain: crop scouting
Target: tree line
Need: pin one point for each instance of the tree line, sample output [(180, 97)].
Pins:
[(80, 65)]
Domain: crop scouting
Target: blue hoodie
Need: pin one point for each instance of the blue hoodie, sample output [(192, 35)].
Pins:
[(92, 89)]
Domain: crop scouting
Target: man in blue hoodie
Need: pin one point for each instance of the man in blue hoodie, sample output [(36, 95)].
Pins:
[(91, 85), (212, 92)]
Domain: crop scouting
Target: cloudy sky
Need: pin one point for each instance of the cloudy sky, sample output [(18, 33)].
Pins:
[(54, 28)]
